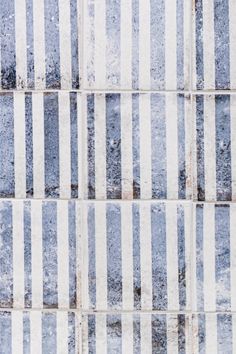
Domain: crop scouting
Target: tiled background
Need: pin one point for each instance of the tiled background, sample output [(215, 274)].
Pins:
[(117, 176)]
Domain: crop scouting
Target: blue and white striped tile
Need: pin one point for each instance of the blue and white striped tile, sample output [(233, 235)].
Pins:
[(39, 44), (138, 146), (136, 44), (135, 333), (136, 256), (215, 146), (214, 49), (40, 135), (38, 254)]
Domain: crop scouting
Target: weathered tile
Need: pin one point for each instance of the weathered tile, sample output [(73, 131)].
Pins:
[(136, 333), (136, 256), (136, 44), (39, 144), (215, 146), (38, 254), (138, 146), (39, 44)]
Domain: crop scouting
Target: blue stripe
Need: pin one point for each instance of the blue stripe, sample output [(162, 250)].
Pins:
[(199, 45), (136, 257), (159, 266), (181, 334), (181, 145), (51, 145), (92, 255), (49, 222), (74, 44), (200, 147), (52, 45), (136, 145), (114, 334), (224, 333), (27, 254), (8, 51), (114, 267), (159, 334), (157, 38), (222, 257), (223, 147), (74, 144), (72, 254), (7, 174), (71, 333), (135, 44), (49, 333), (136, 334), (5, 333), (91, 334), (202, 333), (29, 145), (26, 332), (30, 44), (180, 44), (158, 131), (199, 257), (6, 255), (222, 60), (91, 146), (181, 256), (113, 146)]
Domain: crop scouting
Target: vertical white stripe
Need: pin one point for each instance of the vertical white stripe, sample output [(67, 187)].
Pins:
[(84, 138), (188, 333), (39, 44), (100, 146), (127, 256), (187, 46), (211, 333), (17, 332), (88, 45), (146, 333), (84, 336), (19, 145), (18, 253), (172, 256), (233, 332), (100, 44), (78, 235), (127, 333), (126, 146), (101, 256), (188, 232), (170, 44), (145, 147), (62, 332), (232, 40), (209, 146), (36, 241), (65, 43), (144, 45), (85, 258), (233, 142), (193, 260), (126, 43), (20, 40), (194, 335), (208, 44), (172, 334), (80, 133), (101, 334), (145, 256), (36, 332), (192, 48), (63, 254), (188, 145), (38, 144), (64, 144), (233, 255), (209, 257), (172, 146)]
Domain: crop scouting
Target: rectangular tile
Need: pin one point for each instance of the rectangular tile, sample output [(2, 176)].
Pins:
[(132, 44), (138, 146), (136, 256)]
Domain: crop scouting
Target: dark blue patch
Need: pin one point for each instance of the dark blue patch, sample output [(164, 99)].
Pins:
[(199, 45), (27, 254), (92, 255), (74, 144), (91, 146), (29, 145), (200, 147)]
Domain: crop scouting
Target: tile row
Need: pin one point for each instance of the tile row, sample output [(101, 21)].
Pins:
[(132, 44)]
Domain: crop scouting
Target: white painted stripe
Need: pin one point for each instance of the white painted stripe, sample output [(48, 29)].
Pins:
[(209, 257), (145, 147), (18, 254), (192, 48), (78, 234), (233, 142), (209, 146), (36, 241), (145, 256), (194, 335), (62, 332), (88, 45), (19, 145), (188, 145), (126, 146), (100, 44), (208, 44), (64, 144), (146, 333), (100, 146), (63, 254), (101, 256), (127, 256), (172, 256), (232, 40), (172, 334), (188, 334), (65, 43), (20, 42), (80, 143), (17, 332), (172, 146), (188, 223), (170, 44), (233, 332), (85, 259), (38, 144), (211, 333), (144, 45), (126, 43), (39, 44), (233, 255), (101, 334), (127, 333), (84, 336), (187, 46), (193, 260), (36, 332)]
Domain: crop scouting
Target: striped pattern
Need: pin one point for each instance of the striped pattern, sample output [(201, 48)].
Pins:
[(39, 144), (135, 44), (138, 146), (136, 256), (215, 145), (39, 44), (38, 254), (134, 333)]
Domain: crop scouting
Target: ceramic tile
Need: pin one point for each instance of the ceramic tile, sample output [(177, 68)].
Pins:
[(136, 44), (136, 256), (39, 44), (38, 254), (138, 146), (134, 333)]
